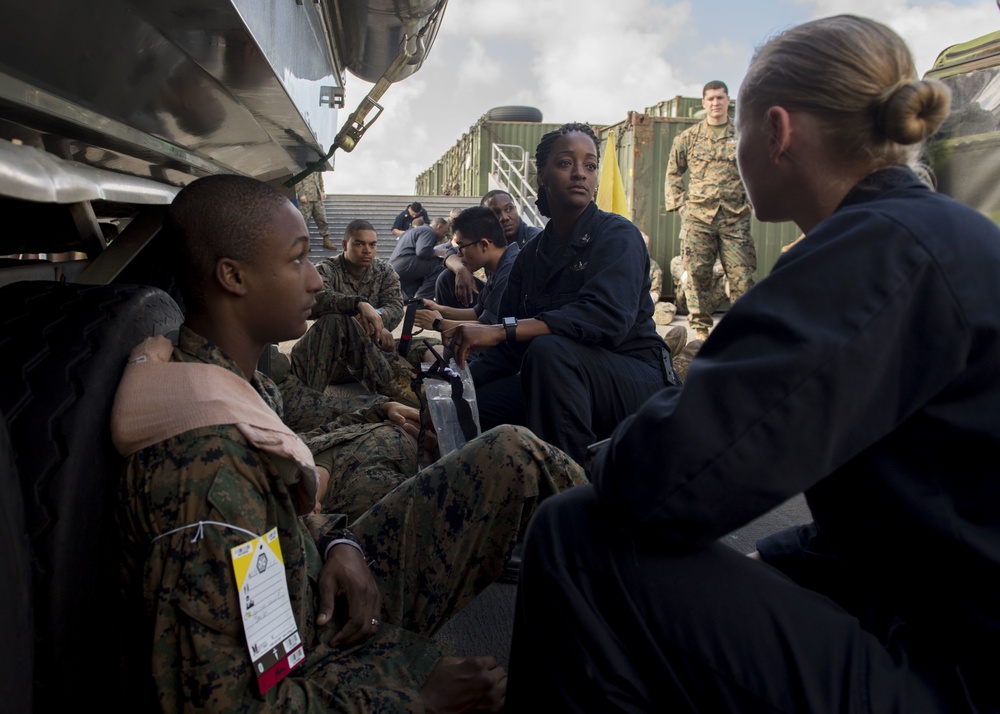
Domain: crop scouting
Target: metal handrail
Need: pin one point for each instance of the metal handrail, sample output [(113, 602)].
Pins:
[(512, 173)]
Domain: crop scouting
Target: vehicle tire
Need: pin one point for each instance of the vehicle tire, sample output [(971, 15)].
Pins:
[(514, 113), (67, 346), (16, 654)]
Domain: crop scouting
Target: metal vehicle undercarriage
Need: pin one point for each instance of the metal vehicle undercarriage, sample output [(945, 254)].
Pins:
[(106, 111)]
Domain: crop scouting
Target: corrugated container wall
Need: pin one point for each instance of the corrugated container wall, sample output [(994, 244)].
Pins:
[(676, 108), (643, 146), (464, 169)]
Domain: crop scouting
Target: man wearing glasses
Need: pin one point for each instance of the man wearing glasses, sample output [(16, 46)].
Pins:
[(458, 287), (481, 243)]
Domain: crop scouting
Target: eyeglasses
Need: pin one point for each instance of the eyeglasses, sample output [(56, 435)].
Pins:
[(462, 246)]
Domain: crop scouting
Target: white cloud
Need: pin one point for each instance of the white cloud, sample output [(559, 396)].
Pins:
[(927, 28), (611, 63), (592, 61), (477, 65)]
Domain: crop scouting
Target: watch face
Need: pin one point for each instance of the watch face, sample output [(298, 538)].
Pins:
[(509, 321)]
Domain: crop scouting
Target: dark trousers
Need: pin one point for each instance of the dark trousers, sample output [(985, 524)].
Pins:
[(444, 289), (568, 394), (417, 275), (607, 622)]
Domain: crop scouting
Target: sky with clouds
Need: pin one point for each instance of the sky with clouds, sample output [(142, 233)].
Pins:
[(594, 60)]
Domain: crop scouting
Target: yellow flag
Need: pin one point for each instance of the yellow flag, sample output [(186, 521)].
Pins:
[(611, 191)]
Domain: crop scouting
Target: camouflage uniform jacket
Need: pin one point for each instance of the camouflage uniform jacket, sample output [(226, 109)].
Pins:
[(655, 280), (311, 188), (380, 284), (714, 184), (183, 582)]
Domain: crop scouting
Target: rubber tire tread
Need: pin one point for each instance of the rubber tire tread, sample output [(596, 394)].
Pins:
[(16, 632), (67, 346), (514, 113)]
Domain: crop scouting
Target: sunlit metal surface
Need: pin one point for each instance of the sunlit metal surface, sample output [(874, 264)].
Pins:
[(32, 175), (213, 78), (371, 32)]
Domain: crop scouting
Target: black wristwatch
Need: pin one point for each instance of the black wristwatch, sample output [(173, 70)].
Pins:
[(338, 535), (357, 301), (436, 325), (510, 325)]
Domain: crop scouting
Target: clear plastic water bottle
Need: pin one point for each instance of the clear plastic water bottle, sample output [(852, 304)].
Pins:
[(442, 408)]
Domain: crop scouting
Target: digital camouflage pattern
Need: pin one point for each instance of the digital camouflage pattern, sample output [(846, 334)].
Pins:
[(715, 216), (714, 185), (701, 245), (368, 458), (336, 348), (379, 283), (655, 281), (663, 312), (310, 196), (435, 541), (717, 293)]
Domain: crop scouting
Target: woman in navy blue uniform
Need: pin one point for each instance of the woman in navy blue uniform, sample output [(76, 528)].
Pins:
[(577, 350), (863, 371)]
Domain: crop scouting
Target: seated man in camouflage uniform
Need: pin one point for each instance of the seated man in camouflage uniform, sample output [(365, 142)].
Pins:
[(355, 312), (192, 496)]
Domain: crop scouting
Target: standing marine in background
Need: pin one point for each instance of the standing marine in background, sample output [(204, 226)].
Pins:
[(311, 195), (715, 212)]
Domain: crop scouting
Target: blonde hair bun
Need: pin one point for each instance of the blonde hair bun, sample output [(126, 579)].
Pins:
[(914, 111)]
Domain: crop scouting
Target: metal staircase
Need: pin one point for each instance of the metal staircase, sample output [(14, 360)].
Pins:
[(510, 169), (381, 211)]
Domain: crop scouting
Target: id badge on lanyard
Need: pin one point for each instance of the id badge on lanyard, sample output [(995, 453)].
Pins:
[(272, 636)]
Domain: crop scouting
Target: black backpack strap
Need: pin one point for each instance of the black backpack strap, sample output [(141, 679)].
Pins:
[(406, 337), (440, 370)]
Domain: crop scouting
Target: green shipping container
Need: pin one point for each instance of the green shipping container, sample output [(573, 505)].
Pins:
[(643, 145), (678, 107), (464, 170)]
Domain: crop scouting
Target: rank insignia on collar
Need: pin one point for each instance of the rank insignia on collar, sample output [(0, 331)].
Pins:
[(578, 266)]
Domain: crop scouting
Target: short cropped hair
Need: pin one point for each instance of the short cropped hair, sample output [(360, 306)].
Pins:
[(215, 217), (416, 206), (488, 196), (714, 84), (479, 222), (357, 225)]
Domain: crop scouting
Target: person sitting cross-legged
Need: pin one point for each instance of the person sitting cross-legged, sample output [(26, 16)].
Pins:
[(355, 312)]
